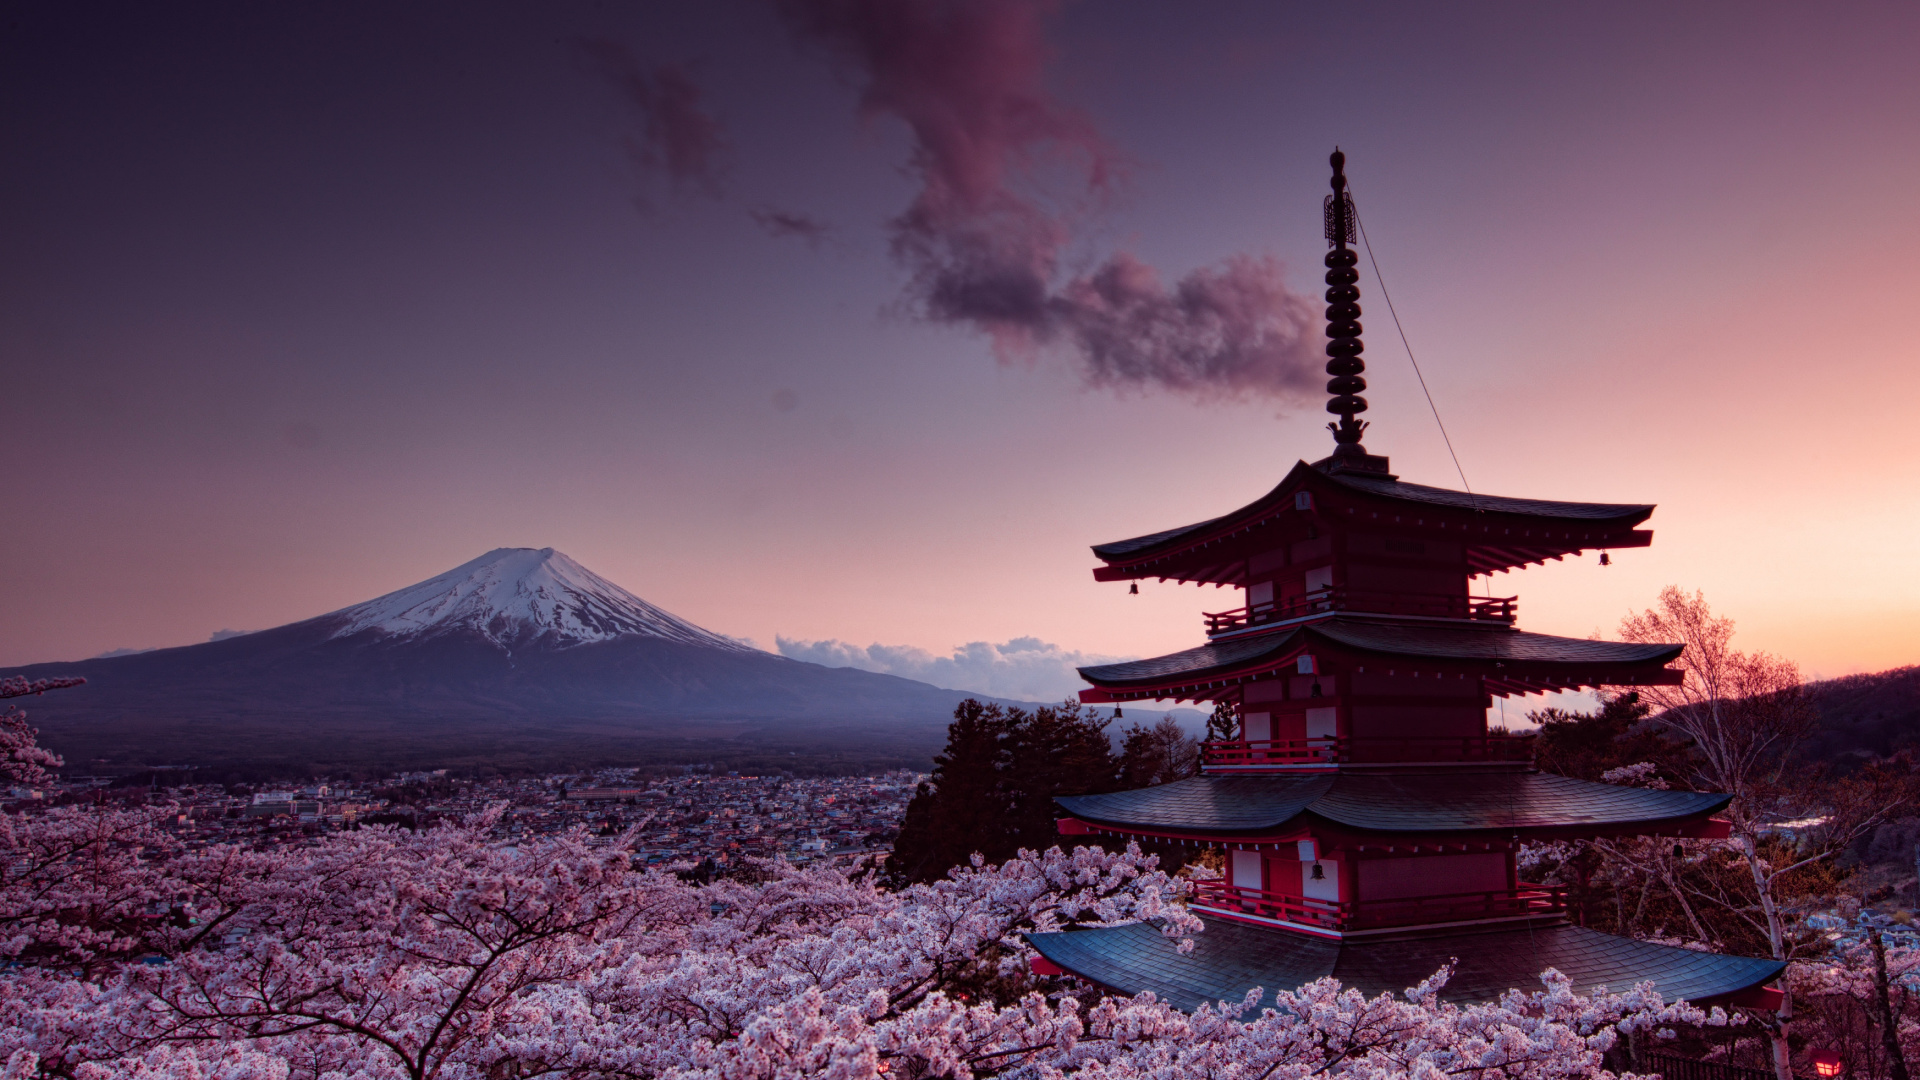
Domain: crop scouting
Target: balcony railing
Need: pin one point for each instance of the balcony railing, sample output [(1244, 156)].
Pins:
[(1386, 750), (1347, 915), (1432, 605)]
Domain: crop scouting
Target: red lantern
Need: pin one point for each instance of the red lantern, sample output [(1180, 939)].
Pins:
[(1827, 1063)]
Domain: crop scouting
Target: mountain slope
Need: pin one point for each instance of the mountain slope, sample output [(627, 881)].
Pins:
[(520, 657), (1866, 715)]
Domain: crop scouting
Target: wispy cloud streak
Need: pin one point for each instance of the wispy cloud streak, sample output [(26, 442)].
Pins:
[(986, 237), (789, 224), (676, 136)]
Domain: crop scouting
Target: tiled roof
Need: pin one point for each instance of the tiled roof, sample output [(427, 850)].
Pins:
[(1118, 548), (1409, 641), (1499, 504), (1619, 514), (1485, 643), (1238, 804), (1213, 656), (1444, 801), (1230, 958), (1403, 803)]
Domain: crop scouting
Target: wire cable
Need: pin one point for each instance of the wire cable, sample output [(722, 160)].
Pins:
[(1533, 946), (1388, 297)]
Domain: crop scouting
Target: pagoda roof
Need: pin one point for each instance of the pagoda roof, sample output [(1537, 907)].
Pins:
[(1571, 661), (1230, 958), (1395, 488), (1596, 524), (1400, 803)]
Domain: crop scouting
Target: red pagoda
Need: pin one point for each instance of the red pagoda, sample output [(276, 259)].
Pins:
[(1369, 819)]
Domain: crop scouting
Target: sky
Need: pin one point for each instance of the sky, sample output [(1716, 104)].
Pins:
[(847, 325)]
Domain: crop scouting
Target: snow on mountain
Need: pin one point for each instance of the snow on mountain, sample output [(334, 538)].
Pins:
[(520, 596)]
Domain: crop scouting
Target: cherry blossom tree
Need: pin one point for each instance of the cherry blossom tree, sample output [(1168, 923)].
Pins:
[(444, 953), (1742, 715), (82, 888), (382, 954), (1863, 999), (22, 760)]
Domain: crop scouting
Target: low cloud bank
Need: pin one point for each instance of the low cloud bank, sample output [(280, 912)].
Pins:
[(1025, 668), (218, 635)]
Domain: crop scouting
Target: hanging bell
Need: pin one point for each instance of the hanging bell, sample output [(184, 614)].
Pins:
[(1133, 589), (1318, 873), (1679, 852), (1116, 713), (1605, 559)]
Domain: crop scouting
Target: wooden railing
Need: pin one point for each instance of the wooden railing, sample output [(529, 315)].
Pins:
[(1384, 751), (1527, 900), (1434, 605)]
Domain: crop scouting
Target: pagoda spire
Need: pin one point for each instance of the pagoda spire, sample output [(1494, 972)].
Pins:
[(1343, 330)]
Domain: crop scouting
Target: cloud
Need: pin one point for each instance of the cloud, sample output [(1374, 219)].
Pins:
[(1231, 331), (789, 224), (676, 136), (1025, 669), (218, 635), (984, 241)]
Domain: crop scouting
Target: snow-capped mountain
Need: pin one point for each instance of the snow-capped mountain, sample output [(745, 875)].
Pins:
[(519, 658), (522, 596)]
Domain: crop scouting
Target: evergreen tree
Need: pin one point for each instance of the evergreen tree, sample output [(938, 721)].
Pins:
[(1157, 755), (1053, 751), (1585, 745), (993, 786), (961, 808)]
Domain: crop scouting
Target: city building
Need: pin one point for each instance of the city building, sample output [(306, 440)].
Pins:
[(1368, 817)]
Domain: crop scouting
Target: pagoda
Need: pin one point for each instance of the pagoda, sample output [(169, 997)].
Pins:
[(1368, 818)]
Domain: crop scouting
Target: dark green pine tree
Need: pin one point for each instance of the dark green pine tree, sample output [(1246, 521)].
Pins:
[(1584, 745), (1053, 751), (1159, 754), (992, 789), (1139, 759), (961, 808)]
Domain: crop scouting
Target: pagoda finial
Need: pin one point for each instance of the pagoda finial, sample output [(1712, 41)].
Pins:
[(1343, 326)]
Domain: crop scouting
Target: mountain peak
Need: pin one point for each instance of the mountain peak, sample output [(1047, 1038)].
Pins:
[(522, 596)]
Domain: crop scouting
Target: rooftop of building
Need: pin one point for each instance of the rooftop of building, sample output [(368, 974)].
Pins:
[(1409, 804), (1589, 518), (1348, 632), (1231, 958)]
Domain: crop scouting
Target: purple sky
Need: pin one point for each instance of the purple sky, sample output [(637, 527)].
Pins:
[(841, 321)]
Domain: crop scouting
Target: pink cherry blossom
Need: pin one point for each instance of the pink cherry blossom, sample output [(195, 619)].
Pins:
[(443, 953)]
